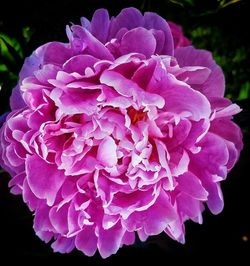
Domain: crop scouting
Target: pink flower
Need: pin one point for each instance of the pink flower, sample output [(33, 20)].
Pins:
[(114, 134), (179, 39)]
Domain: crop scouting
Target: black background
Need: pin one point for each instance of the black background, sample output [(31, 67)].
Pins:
[(221, 238)]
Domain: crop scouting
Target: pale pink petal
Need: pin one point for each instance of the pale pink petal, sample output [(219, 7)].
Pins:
[(106, 153)]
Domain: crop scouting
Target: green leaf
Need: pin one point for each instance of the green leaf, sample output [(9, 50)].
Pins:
[(6, 42), (27, 33), (244, 91), (225, 3)]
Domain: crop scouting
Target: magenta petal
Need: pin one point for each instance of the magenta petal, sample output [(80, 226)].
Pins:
[(79, 63), (41, 220), (155, 218), (213, 155), (94, 46), (232, 136), (180, 98), (31, 64), (58, 218), (227, 130), (100, 25), (16, 183), (190, 207), (47, 72), (44, 179), (110, 240), (215, 199), (159, 215), (86, 240), (63, 245), (194, 75), (128, 88), (191, 185), (160, 40), (128, 238), (16, 100), (176, 230), (142, 235), (215, 84), (29, 197), (75, 101), (129, 42), (154, 21), (56, 53), (128, 18)]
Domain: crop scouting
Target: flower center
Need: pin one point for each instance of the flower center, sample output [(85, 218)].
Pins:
[(136, 115)]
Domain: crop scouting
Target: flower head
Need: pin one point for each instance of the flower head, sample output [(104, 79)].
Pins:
[(117, 133)]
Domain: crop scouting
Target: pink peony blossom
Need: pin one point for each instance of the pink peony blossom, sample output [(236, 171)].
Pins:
[(179, 39), (117, 133)]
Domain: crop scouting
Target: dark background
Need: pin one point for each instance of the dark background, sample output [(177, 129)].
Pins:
[(219, 26)]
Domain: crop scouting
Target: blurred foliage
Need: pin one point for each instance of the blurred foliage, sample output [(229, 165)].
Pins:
[(192, 3), (11, 58), (215, 25)]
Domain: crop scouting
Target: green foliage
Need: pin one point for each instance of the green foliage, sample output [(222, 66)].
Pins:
[(225, 3), (192, 5), (245, 91), (10, 53), (11, 58)]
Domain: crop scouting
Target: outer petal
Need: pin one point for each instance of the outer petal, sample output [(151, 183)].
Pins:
[(228, 130), (100, 25), (63, 245), (31, 64), (86, 240), (215, 198), (128, 18), (16, 100), (56, 53), (93, 46), (44, 179), (213, 155), (130, 43), (110, 240), (189, 207), (191, 185), (58, 218), (215, 84), (155, 219), (154, 21)]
